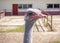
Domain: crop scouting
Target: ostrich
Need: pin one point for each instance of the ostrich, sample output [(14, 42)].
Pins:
[(31, 16)]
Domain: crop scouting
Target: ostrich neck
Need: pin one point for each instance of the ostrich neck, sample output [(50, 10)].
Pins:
[(28, 28)]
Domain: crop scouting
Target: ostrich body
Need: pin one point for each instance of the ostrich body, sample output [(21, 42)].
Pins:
[(30, 18)]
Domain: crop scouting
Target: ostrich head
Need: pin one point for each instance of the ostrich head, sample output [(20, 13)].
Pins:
[(33, 14)]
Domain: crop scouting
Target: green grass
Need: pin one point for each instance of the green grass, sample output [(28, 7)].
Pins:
[(56, 41), (18, 29)]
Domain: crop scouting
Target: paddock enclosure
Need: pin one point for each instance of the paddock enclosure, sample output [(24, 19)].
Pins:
[(45, 30)]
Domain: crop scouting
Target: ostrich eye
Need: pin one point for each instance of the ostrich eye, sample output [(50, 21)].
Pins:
[(30, 14)]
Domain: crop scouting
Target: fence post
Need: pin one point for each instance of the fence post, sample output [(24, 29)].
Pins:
[(47, 19), (5, 11), (44, 20), (51, 23)]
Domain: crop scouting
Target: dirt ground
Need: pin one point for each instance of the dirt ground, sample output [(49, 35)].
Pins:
[(38, 37)]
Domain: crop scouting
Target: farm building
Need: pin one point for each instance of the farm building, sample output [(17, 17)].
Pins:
[(18, 7)]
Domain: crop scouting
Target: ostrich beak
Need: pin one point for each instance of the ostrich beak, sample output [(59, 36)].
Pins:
[(37, 16)]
